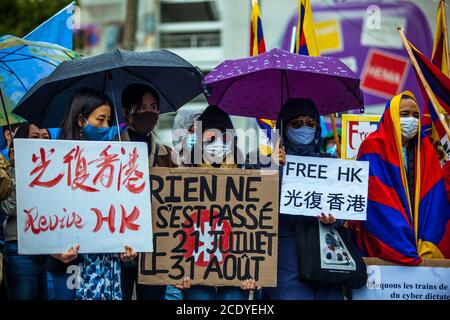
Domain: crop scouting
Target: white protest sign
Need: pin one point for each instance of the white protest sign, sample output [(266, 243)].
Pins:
[(405, 283), (91, 193), (311, 186)]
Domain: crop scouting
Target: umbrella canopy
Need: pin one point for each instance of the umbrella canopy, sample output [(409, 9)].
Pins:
[(258, 86), (175, 79), (22, 64)]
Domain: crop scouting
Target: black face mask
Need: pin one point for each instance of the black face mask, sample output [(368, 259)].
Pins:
[(145, 122)]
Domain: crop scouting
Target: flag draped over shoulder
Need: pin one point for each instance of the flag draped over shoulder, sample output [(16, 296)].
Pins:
[(306, 41), (396, 229), (257, 44)]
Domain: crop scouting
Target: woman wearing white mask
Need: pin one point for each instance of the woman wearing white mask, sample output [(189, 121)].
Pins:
[(215, 147), (408, 214)]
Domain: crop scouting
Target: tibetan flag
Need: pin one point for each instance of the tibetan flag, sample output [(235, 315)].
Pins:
[(440, 49), (434, 128), (440, 85), (403, 225), (257, 44), (305, 40)]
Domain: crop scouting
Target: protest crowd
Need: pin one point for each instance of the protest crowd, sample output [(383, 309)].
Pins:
[(272, 240)]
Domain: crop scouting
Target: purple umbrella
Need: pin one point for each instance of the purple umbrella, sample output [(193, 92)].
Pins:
[(258, 86)]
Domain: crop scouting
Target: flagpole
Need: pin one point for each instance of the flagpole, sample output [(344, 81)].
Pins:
[(445, 31), (424, 82)]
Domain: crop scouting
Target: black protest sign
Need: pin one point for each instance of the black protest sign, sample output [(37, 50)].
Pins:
[(216, 226)]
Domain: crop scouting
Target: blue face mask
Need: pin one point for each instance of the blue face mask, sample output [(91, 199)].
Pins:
[(100, 134), (302, 136), (191, 140), (331, 150)]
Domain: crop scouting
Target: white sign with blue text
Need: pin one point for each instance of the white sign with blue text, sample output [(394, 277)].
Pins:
[(311, 186)]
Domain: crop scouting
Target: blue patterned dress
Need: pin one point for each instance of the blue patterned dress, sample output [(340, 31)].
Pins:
[(100, 277)]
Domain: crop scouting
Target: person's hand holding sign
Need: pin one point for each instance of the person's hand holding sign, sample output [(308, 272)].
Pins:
[(185, 284), (326, 219), (69, 256), (249, 284), (279, 154), (128, 255)]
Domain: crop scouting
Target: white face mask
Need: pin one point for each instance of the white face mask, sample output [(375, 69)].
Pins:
[(217, 149), (409, 127)]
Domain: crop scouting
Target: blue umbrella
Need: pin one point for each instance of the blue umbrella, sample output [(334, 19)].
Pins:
[(22, 64)]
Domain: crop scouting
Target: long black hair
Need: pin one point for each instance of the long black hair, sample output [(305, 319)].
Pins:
[(84, 102)]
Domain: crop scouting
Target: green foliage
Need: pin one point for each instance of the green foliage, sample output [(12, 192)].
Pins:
[(19, 17)]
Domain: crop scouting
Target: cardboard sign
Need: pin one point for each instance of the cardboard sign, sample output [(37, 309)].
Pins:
[(216, 226), (355, 129), (311, 186), (95, 194), (384, 73), (386, 281)]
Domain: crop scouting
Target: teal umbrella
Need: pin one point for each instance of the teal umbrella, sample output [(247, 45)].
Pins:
[(22, 64)]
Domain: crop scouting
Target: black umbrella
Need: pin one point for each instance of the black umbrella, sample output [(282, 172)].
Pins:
[(175, 79)]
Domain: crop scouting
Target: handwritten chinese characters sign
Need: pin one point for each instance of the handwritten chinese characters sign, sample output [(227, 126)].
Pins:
[(311, 186), (95, 194), (216, 226)]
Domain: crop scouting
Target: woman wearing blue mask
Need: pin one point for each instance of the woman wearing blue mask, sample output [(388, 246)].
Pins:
[(301, 136), (216, 149), (89, 117)]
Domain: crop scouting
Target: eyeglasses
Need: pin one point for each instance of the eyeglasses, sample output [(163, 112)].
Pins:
[(211, 136), (145, 108), (300, 123)]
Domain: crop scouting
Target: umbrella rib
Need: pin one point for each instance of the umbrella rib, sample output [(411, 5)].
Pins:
[(8, 68), (35, 57), (13, 52), (162, 93), (71, 58)]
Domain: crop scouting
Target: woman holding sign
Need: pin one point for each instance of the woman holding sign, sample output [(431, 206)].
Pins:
[(299, 124), (90, 117), (24, 274), (218, 149), (408, 211)]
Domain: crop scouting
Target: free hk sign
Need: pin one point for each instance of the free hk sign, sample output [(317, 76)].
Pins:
[(384, 73)]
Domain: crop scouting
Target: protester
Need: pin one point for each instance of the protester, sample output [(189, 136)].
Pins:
[(218, 149), (183, 133), (24, 274), (7, 133), (90, 117), (408, 211), (140, 105), (183, 141), (6, 187), (328, 145), (298, 122)]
